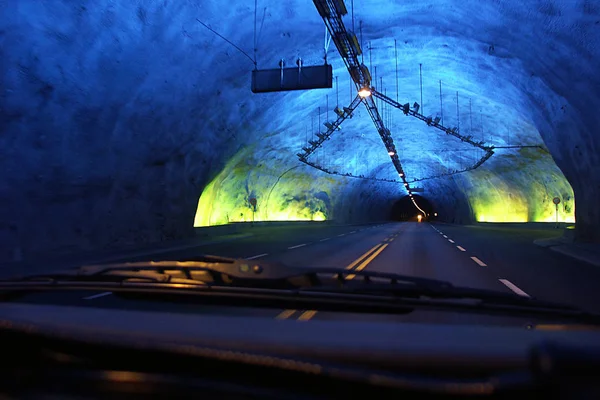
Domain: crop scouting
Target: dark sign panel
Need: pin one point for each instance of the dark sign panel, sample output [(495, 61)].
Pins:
[(286, 79)]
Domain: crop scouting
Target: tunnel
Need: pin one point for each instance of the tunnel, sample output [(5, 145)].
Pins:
[(406, 210), (134, 122)]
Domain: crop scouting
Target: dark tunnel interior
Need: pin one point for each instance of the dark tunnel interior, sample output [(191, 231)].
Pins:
[(405, 210)]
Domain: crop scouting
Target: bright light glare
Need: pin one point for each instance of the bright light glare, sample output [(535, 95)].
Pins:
[(364, 92), (435, 214), (419, 217), (391, 153)]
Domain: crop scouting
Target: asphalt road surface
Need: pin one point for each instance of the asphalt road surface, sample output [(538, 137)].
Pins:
[(501, 258)]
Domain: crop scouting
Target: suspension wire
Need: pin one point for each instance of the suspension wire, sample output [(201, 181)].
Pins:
[(441, 103), (457, 112), (396, 55), (371, 59), (319, 126), (228, 41), (421, 79), (337, 93), (327, 105), (471, 115), (255, 11), (362, 61)]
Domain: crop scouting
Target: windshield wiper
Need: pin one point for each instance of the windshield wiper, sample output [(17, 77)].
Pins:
[(212, 271)]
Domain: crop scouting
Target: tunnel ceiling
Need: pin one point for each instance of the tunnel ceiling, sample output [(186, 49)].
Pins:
[(117, 116)]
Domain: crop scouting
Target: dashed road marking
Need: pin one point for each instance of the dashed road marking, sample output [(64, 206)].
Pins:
[(343, 234), (446, 237), (295, 247), (323, 240), (451, 241), (285, 314), (306, 315), (353, 232), (514, 288), (461, 248), (258, 256), (95, 296), (478, 261)]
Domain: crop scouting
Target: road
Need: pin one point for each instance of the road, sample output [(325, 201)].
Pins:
[(487, 257)]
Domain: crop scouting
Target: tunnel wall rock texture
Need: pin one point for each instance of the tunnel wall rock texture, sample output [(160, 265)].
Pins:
[(115, 116)]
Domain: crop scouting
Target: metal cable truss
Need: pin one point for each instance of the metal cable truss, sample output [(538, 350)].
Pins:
[(430, 121), (483, 159), (519, 146), (349, 49), (346, 174), (331, 128)]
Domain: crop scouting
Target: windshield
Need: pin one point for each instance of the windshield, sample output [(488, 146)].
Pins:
[(453, 141)]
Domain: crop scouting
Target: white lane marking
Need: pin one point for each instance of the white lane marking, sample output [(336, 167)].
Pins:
[(322, 240), (446, 237), (97, 295), (343, 234), (514, 288), (451, 241), (478, 261), (295, 247), (353, 232), (258, 256), (461, 248)]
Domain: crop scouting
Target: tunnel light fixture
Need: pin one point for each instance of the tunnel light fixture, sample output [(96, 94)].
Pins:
[(365, 91), (401, 175), (391, 153)]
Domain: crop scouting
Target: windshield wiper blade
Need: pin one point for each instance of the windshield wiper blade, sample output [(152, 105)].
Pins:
[(220, 271)]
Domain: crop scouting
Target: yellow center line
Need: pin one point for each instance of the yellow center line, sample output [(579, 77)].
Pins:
[(358, 260), (374, 251), (306, 315), (285, 314), (368, 260)]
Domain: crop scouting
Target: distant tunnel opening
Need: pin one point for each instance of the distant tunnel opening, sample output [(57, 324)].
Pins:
[(405, 210)]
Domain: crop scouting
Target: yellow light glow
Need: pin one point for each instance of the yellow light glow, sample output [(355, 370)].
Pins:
[(318, 216), (364, 92), (280, 196), (419, 217)]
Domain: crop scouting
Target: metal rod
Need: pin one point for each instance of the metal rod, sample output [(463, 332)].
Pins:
[(441, 103), (337, 93), (482, 133), (421, 78), (457, 112), (381, 103), (375, 75), (255, 8), (471, 115), (396, 55), (385, 115), (319, 126), (370, 58), (327, 105), (312, 127), (362, 61)]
